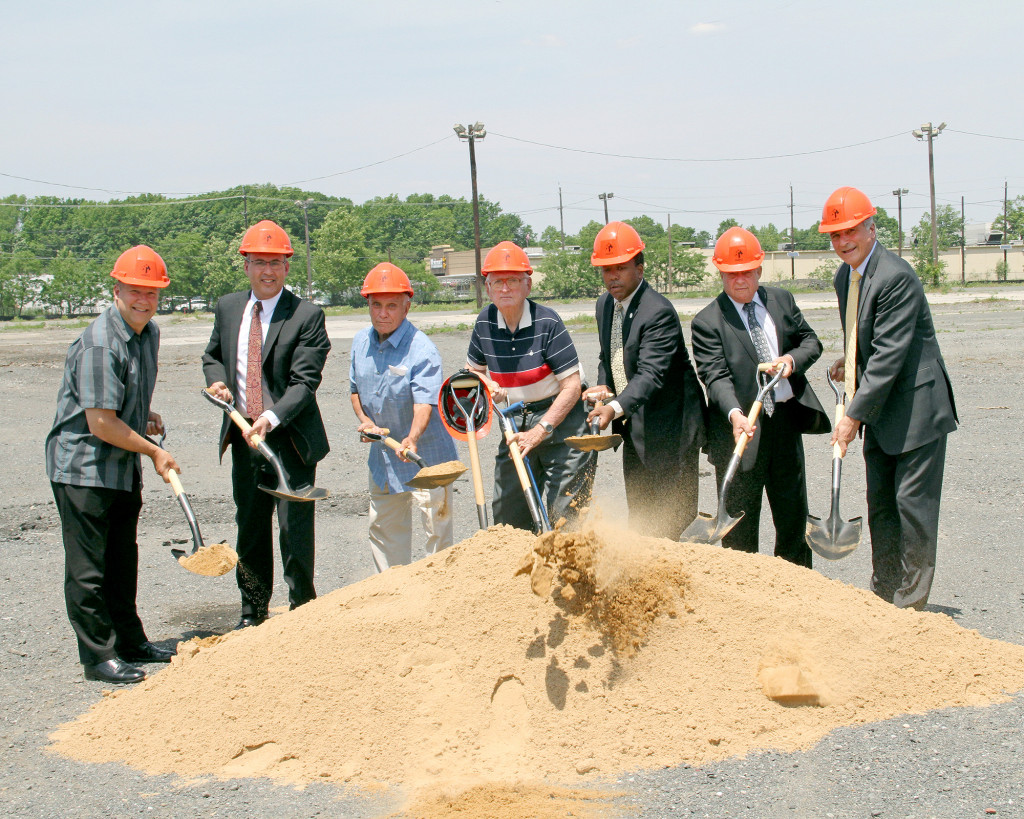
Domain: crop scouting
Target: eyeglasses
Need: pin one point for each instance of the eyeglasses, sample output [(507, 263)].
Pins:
[(509, 282), (277, 265)]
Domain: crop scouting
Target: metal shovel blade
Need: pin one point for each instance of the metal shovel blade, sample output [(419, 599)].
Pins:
[(835, 539), (303, 493), (709, 530), (437, 476), (593, 443)]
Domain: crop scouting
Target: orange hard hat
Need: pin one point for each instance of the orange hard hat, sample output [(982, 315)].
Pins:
[(506, 257), (615, 244), (141, 266), (386, 278), (845, 208), (737, 250), (266, 237)]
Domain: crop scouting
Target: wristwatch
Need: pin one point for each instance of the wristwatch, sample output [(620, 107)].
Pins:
[(544, 425)]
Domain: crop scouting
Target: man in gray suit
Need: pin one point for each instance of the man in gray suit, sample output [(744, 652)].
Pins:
[(898, 391)]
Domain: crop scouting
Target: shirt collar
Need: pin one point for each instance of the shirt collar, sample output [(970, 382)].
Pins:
[(864, 264), (124, 329), (629, 299), (740, 305), (397, 337), (525, 321), (269, 305)]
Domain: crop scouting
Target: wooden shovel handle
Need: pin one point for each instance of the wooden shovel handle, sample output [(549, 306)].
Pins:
[(741, 444), (840, 414), (242, 424), (173, 480), (474, 458), (517, 459)]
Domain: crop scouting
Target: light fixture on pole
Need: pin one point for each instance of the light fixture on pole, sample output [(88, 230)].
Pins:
[(604, 197), (898, 193), (471, 135), (928, 133), (304, 204)]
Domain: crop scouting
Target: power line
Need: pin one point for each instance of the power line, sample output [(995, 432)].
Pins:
[(986, 136), (372, 164), (687, 159)]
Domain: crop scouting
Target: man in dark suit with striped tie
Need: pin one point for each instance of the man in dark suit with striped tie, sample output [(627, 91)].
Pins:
[(744, 326), (267, 353)]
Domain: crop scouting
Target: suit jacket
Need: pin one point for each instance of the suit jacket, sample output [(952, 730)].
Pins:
[(727, 364), (663, 401), (904, 395), (294, 355)]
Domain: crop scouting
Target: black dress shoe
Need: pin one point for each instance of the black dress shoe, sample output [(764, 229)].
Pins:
[(145, 653), (115, 671), (250, 620)]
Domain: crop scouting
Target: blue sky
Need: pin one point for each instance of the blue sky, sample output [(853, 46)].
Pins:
[(196, 96)]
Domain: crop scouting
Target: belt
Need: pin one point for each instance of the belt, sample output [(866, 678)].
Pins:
[(538, 406)]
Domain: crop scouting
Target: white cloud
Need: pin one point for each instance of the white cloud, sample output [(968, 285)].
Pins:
[(706, 28)]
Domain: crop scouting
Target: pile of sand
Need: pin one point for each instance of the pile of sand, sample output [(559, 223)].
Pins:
[(637, 653)]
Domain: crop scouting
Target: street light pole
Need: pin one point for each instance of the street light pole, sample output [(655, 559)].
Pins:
[(604, 197), (471, 134), (929, 133), (898, 193), (304, 204)]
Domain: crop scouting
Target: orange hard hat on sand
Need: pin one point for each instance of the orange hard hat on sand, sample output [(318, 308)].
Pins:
[(141, 266), (266, 237), (737, 250), (386, 278), (845, 208), (617, 243), (506, 257)]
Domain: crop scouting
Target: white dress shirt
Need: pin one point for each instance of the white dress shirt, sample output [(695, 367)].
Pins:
[(242, 367)]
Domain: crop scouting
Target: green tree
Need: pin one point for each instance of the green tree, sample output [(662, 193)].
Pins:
[(73, 286), (931, 273), (224, 270), (1014, 219), (724, 225), (568, 274), (187, 264), (341, 258), (19, 282), (948, 228)]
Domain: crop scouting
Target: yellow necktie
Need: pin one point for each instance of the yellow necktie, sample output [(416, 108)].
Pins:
[(852, 300)]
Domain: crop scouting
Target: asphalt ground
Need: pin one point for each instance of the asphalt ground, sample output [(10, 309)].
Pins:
[(953, 763)]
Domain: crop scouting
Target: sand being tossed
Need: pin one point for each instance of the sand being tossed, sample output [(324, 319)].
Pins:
[(452, 669)]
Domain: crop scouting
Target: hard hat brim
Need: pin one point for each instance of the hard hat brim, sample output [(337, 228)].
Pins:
[(126, 279), (622, 259)]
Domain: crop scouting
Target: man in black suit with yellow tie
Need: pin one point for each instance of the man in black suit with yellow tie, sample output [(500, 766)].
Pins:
[(744, 326), (267, 353), (900, 394), (656, 401)]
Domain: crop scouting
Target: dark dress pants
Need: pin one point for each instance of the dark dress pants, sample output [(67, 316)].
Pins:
[(564, 476), (101, 567), (661, 496), (778, 472), (255, 516), (903, 516)]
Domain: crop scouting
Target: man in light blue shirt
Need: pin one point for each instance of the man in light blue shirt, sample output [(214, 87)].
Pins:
[(395, 376)]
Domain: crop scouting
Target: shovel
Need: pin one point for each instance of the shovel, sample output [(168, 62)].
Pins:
[(210, 561), (837, 538), (706, 529), (283, 491), (540, 521), (595, 441), (465, 380), (429, 477)]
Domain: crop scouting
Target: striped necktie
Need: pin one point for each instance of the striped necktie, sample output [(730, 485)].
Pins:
[(764, 353)]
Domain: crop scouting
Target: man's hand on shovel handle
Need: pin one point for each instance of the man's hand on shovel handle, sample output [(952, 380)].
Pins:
[(408, 445), (845, 431), (260, 427), (603, 414), (838, 371), (220, 391), (164, 462), (740, 426)]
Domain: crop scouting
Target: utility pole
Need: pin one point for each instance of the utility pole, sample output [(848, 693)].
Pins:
[(1006, 229), (927, 132), (245, 208), (898, 193), (471, 134), (561, 217), (963, 243), (792, 238), (604, 197), (671, 278), (304, 204)]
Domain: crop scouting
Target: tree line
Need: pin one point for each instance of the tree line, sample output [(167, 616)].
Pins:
[(58, 252)]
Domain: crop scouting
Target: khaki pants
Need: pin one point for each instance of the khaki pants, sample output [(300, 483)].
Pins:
[(391, 523)]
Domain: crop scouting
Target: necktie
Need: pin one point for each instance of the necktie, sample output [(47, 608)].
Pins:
[(254, 370), (852, 302), (764, 353), (618, 367)]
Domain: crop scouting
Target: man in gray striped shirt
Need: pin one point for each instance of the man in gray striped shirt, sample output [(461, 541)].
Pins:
[(95, 469)]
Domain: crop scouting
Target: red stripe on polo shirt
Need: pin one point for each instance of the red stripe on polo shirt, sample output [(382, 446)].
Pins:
[(521, 379)]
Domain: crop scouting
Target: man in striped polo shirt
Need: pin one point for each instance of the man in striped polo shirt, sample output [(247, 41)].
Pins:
[(92, 460), (529, 356)]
